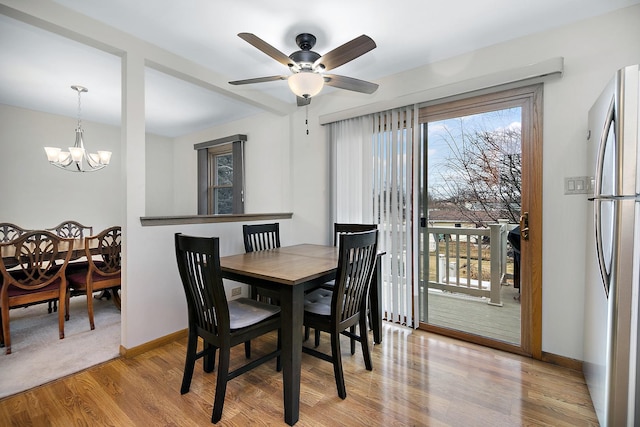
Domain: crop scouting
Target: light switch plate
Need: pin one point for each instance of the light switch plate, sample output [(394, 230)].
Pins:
[(578, 185)]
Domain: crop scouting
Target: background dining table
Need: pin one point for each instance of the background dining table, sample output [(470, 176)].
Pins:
[(7, 250), (291, 270)]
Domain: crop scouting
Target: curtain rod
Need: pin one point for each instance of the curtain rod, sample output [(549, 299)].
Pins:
[(528, 74)]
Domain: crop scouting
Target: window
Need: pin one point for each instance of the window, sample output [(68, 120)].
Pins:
[(220, 176), (220, 197)]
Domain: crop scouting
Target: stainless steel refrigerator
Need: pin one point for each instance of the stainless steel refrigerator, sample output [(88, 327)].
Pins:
[(613, 252)]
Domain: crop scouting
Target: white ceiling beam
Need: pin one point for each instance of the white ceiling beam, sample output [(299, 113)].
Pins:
[(55, 18)]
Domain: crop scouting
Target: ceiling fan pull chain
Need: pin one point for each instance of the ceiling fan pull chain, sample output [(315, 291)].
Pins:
[(306, 120)]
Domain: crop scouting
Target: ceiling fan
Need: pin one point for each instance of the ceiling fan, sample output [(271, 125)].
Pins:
[(308, 67)]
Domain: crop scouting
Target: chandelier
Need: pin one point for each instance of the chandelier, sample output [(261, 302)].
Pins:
[(77, 159)]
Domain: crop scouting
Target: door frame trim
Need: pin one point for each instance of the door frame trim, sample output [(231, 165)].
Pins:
[(529, 98)]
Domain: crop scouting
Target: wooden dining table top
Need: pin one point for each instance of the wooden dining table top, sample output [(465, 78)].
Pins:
[(290, 265), (7, 250)]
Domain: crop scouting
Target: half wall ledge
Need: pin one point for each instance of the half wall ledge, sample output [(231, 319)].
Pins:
[(204, 219)]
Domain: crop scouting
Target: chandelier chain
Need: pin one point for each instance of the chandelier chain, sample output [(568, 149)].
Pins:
[(79, 109)]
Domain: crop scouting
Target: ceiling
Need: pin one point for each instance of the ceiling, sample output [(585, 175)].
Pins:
[(37, 67)]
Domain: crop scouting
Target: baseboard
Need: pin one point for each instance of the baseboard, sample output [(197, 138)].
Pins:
[(565, 362), (159, 342), (554, 359)]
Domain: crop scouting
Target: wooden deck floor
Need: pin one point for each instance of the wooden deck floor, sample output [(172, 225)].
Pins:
[(475, 316)]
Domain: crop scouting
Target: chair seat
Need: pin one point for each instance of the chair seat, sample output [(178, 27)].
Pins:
[(318, 302), (328, 285), (14, 291), (245, 312), (79, 279)]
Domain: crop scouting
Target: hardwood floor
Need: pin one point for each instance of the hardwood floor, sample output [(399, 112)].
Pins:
[(418, 379)]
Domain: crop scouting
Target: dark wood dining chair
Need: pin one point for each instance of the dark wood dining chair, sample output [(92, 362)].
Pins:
[(9, 232), (339, 229), (221, 324), (35, 276), (72, 230), (100, 274), (260, 237), (338, 311)]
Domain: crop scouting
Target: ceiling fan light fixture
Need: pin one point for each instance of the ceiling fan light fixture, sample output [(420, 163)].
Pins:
[(306, 84)]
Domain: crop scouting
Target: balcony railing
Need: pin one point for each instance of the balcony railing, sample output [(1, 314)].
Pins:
[(471, 261)]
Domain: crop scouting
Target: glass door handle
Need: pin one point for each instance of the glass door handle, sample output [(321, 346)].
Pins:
[(524, 226)]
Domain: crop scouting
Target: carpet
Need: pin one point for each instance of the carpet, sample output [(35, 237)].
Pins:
[(39, 356)]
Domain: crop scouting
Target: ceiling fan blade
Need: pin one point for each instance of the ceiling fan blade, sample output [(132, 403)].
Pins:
[(303, 101), (265, 47), (345, 53), (258, 80), (349, 83)]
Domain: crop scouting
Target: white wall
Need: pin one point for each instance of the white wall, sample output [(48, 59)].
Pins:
[(36, 195), (159, 176)]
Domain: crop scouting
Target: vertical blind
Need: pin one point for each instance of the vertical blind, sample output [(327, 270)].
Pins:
[(374, 170)]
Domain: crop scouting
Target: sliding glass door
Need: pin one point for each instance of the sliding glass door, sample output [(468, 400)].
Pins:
[(471, 206)]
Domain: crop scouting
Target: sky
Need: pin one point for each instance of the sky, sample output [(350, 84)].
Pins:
[(444, 137)]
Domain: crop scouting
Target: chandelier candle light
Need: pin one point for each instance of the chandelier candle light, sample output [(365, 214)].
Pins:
[(77, 159)]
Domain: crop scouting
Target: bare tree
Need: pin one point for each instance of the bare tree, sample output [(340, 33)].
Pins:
[(481, 176)]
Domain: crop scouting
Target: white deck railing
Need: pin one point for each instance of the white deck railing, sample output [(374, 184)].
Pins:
[(453, 269)]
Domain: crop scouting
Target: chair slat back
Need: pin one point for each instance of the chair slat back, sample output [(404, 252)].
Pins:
[(9, 232), (34, 259), (356, 263), (261, 237), (341, 228), (108, 247), (72, 230), (199, 267)]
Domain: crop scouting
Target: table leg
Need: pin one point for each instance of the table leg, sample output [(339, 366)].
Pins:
[(292, 305), (375, 303)]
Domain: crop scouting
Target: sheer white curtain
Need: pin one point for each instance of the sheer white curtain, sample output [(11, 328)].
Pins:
[(351, 164), (375, 171)]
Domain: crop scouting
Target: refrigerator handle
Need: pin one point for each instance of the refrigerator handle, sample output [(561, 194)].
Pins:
[(524, 226), (602, 145), (602, 264)]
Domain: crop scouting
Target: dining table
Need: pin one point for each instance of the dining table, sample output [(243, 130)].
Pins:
[(291, 270), (7, 251)]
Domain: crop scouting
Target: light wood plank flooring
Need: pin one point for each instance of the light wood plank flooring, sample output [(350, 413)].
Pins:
[(419, 379)]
